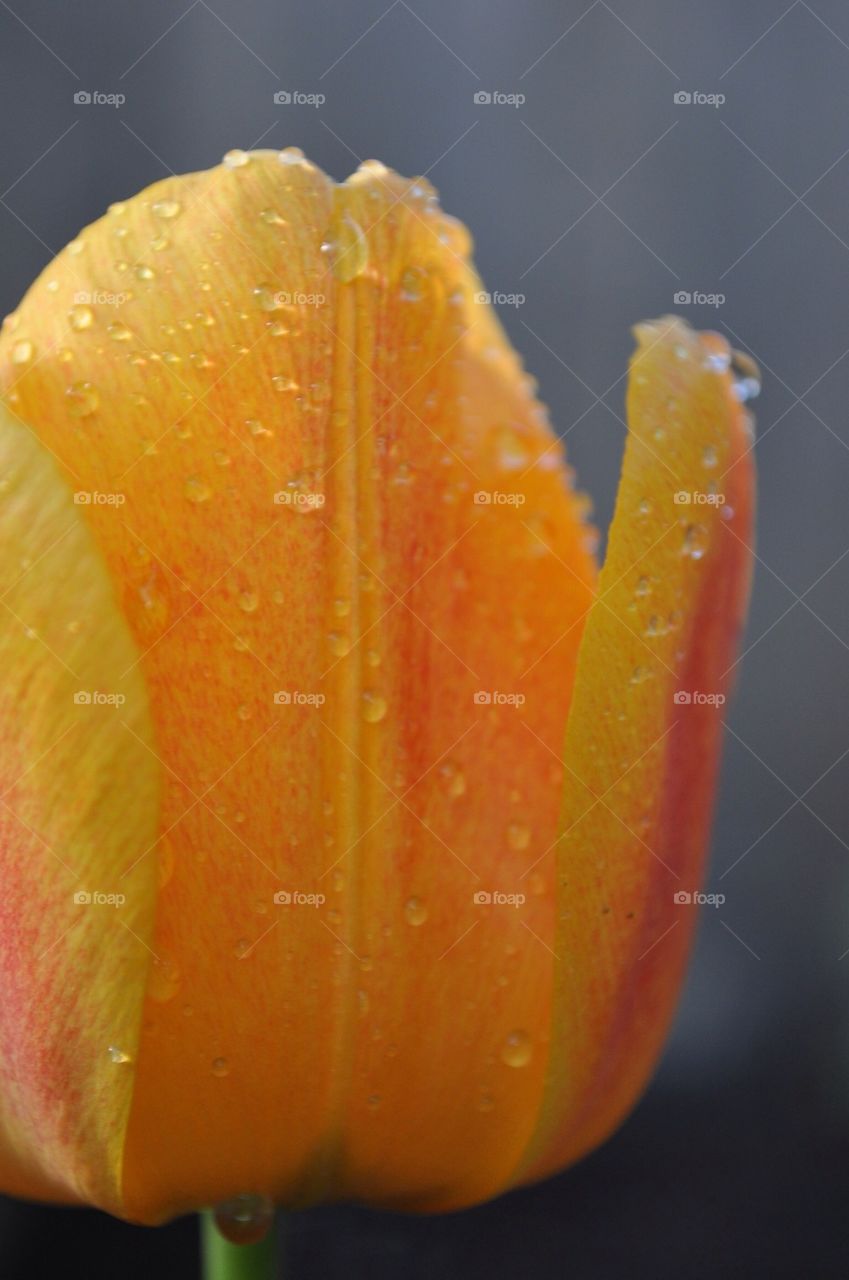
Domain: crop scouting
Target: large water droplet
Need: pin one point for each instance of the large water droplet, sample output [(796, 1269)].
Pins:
[(374, 706), (517, 1049), (81, 317), (197, 490), (452, 779), (347, 248), (518, 836), (747, 376), (695, 541), (166, 208), (22, 352), (415, 911), (236, 159), (245, 1219)]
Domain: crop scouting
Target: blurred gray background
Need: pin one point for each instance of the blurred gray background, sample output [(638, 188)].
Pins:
[(599, 198)]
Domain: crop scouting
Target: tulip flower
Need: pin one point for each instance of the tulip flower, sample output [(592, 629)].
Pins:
[(351, 819)]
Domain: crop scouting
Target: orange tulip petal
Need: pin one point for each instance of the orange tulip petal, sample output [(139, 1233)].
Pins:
[(78, 800), (641, 762), (391, 1042)]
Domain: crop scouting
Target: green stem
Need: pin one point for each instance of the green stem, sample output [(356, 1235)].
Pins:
[(225, 1261)]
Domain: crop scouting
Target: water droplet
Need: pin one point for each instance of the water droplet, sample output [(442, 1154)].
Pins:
[(374, 1101), (273, 218), (643, 587), (236, 159), (164, 981), (81, 317), (340, 644), (719, 361), (197, 490), (341, 607), (709, 456), (118, 332), (374, 706), (518, 836), (166, 208), (695, 542), (22, 352), (268, 298), (512, 451), (144, 272), (747, 377), (415, 911), (347, 248), (517, 1049), (303, 493), (245, 1219), (220, 1067), (412, 284), (118, 1055), (249, 601), (83, 398), (452, 779), (536, 883)]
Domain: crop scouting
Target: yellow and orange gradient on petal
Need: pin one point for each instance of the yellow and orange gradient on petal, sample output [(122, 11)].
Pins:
[(396, 792)]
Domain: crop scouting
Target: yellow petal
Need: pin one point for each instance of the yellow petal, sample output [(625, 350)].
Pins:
[(78, 801), (644, 731)]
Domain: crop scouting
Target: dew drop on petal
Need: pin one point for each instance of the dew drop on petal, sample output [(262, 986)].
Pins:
[(518, 836), (83, 398), (197, 490), (374, 706), (236, 159), (517, 1049), (347, 249), (695, 541), (166, 208), (415, 911), (81, 317)]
